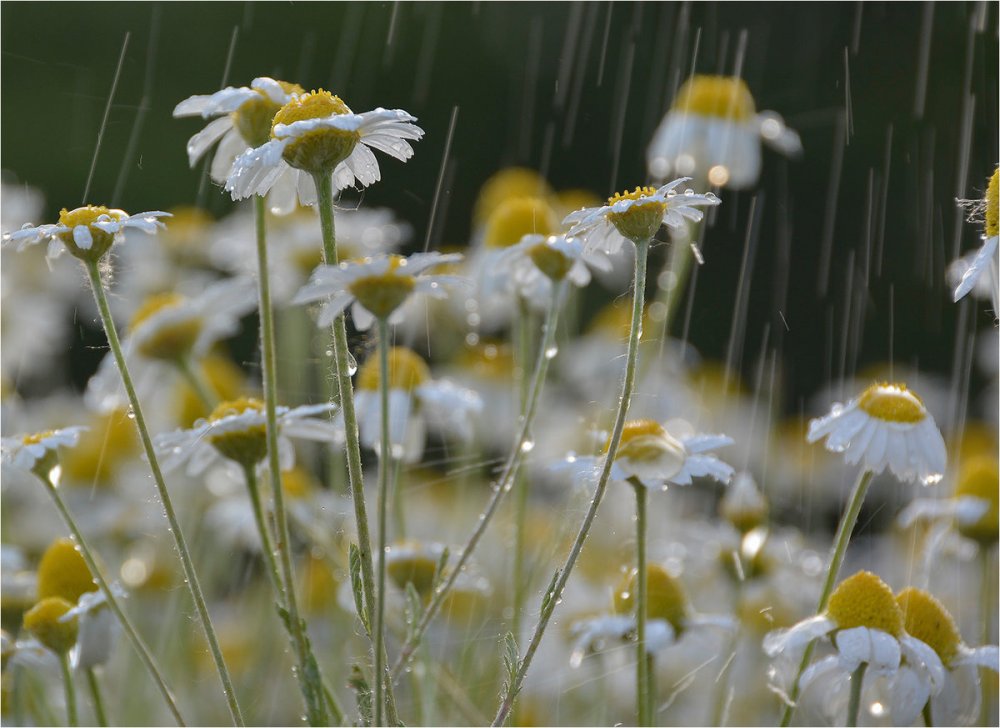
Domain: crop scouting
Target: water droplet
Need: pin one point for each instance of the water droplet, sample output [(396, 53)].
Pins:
[(352, 364), (329, 352), (130, 413), (472, 339), (576, 659), (551, 352), (527, 446)]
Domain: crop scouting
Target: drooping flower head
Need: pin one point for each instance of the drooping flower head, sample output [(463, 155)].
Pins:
[(637, 215), (887, 425), (317, 134), (713, 131), (38, 452), (968, 272), (87, 232), (534, 265)]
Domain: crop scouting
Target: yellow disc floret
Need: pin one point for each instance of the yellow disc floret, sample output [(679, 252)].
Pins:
[(665, 596), (925, 618), (864, 600), (63, 573), (87, 216), (164, 339), (412, 563), (992, 204), (247, 446), (489, 360), (892, 403), (721, 96), (318, 151), (384, 293), (640, 220), (407, 371), (223, 377), (253, 119), (108, 443), (508, 184), (43, 621), (550, 260), (646, 440), (513, 219), (979, 477)]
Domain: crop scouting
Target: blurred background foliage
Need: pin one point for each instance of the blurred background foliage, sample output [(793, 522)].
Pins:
[(896, 104)]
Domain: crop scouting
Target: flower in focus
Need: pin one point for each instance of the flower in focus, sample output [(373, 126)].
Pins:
[(886, 425), (713, 131), (37, 453), (415, 400), (376, 287), (637, 215), (317, 134), (236, 430), (865, 625), (967, 274), (86, 232), (535, 264)]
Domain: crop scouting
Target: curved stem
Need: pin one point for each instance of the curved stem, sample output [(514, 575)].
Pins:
[(551, 599), (841, 540), (854, 701), (309, 678), (641, 598), (264, 531), (502, 485), (130, 632), (521, 482), (197, 383), (69, 689), (190, 576), (95, 695)]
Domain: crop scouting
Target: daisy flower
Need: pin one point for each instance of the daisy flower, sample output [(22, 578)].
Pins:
[(714, 131), (236, 430), (865, 625), (887, 425), (637, 215), (968, 271), (96, 628), (86, 232), (318, 134), (415, 400), (376, 287), (244, 120), (414, 562), (31, 452)]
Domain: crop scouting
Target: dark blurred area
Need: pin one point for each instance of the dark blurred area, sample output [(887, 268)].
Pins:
[(896, 104)]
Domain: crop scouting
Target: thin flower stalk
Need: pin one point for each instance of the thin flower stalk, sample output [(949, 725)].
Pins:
[(197, 383), (987, 590), (854, 700), (551, 599), (502, 486), (309, 677), (841, 540), (130, 632), (69, 689), (100, 714), (382, 681), (521, 482), (190, 576), (642, 681)]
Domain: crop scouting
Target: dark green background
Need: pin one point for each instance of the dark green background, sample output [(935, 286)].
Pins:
[(509, 70)]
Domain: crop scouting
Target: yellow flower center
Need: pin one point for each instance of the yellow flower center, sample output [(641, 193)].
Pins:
[(253, 119), (508, 184), (513, 219), (63, 573), (726, 97), (926, 619), (37, 437), (223, 377), (101, 450), (979, 477), (248, 446), (646, 440), (185, 237), (864, 600), (407, 371), (87, 216), (616, 319), (384, 293), (42, 620), (170, 341), (892, 403), (321, 150), (665, 596), (488, 360), (550, 261), (992, 204), (640, 221), (410, 563)]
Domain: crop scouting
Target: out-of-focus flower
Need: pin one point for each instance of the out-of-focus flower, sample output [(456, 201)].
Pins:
[(887, 425), (414, 562), (508, 184), (38, 452), (967, 274), (713, 131), (96, 628), (237, 431), (377, 287), (62, 572), (415, 400), (973, 506), (637, 215), (86, 232), (316, 133), (534, 265), (743, 505), (45, 621)]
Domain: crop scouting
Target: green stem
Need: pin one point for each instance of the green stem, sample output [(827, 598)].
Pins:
[(521, 482), (641, 598), (384, 466), (355, 476), (196, 382), (929, 714), (190, 576), (310, 681), (503, 484), (841, 540), (651, 688), (130, 631), (398, 503), (100, 714), (987, 589), (267, 543), (70, 690), (551, 600), (854, 702)]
